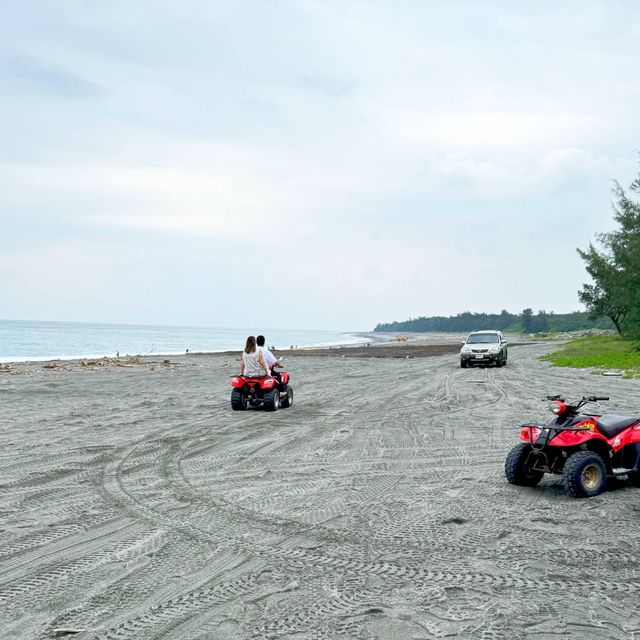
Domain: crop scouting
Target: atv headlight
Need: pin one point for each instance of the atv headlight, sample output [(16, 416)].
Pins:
[(557, 407)]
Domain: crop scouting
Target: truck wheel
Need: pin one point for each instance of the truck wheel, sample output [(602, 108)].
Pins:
[(585, 475), (287, 401), (517, 467), (463, 364), (238, 400), (271, 400)]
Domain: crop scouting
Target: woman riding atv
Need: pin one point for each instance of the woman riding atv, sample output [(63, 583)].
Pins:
[(253, 364)]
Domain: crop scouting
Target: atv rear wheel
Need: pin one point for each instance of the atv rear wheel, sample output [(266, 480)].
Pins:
[(585, 475), (287, 401), (238, 400), (517, 466), (271, 400)]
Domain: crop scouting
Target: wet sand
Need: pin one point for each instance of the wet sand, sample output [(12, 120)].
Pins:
[(135, 504), (381, 350)]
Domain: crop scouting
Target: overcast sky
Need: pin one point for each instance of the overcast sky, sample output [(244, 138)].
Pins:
[(308, 163)]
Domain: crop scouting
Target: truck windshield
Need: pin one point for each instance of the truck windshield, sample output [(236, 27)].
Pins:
[(483, 338)]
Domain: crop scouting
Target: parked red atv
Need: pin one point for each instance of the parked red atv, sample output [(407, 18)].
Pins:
[(266, 392), (584, 449)]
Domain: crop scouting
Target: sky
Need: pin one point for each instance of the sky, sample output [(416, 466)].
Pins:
[(325, 164)]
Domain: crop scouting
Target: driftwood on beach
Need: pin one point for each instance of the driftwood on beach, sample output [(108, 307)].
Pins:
[(108, 362)]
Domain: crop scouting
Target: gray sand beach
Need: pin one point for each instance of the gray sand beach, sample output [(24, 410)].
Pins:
[(135, 504)]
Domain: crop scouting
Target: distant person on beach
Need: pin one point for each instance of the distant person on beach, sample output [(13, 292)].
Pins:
[(253, 364), (270, 360)]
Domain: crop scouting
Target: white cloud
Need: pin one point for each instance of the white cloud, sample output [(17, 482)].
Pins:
[(364, 145), (490, 132)]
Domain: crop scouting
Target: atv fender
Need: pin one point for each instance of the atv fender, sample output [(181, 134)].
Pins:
[(563, 439)]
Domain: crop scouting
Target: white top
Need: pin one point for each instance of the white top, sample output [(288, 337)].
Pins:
[(269, 358), (252, 367)]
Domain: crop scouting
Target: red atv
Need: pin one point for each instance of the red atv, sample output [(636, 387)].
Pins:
[(254, 392), (584, 448)]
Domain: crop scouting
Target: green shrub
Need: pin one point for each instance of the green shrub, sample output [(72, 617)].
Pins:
[(604, 352)]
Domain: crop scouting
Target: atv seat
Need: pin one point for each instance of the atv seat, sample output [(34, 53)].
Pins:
[(611, 425)]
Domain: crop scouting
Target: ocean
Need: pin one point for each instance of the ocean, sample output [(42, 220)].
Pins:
[(24, 340)]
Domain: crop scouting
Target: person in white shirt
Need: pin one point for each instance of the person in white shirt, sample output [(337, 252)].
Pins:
[(269, 359)]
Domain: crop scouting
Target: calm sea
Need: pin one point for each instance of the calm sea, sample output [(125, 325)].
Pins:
[(24, 340)]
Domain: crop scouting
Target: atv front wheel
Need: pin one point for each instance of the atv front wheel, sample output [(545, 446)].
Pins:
[(238, 400), (585, 475), (271, 400), (287, 401), (518, 469)]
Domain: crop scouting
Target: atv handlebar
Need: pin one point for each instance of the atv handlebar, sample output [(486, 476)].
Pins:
[(585, 399)]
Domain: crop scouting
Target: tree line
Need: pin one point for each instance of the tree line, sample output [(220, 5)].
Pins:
[(614, 266), (526, 321)]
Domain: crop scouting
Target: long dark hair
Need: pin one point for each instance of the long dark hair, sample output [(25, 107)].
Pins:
[(250, 347)]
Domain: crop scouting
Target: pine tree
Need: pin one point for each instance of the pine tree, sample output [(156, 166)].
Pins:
[(615, 267)]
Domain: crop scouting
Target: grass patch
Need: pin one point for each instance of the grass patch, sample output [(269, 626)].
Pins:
[(601, 352)]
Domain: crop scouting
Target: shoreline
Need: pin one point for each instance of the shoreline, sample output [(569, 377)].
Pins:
[(380, 350), (361, 340), (380, 345), (13, 360)]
